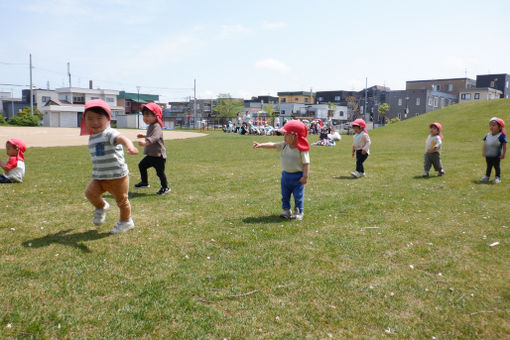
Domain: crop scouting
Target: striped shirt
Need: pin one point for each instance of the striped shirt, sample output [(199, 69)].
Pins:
[(107, 157)]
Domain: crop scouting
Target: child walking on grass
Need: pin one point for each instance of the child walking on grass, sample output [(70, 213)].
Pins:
[(360, 146), (154, 148), (295, 163), (109, 169), (494, 148), (15, 167), (433, 150)]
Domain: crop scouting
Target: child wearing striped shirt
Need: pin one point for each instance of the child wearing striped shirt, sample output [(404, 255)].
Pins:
[(109, 170)]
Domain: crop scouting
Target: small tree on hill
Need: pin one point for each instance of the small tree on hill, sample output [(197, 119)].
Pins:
[(382, 110), (226, 106)]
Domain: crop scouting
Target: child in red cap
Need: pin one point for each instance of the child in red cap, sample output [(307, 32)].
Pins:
[(494, 148), (154, 148), (360, 146), (15, 166), (109, 170), (295, 163), (433, 146)]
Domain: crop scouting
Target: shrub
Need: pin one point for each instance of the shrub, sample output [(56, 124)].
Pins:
[(2, 120), (25, 120)]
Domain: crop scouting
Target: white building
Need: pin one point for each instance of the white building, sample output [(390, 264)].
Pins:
[(67, 109), (479, 93)]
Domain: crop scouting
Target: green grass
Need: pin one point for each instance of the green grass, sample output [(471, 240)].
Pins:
[(212, 260)]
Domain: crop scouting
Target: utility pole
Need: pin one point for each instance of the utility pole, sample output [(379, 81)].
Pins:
[(367, 114), (195, 100), (31, 95), (138, 113), (69, 74)]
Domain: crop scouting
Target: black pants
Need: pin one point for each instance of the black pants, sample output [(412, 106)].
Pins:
[(4, 179), (493, 162), (158, 163), (360, 158)]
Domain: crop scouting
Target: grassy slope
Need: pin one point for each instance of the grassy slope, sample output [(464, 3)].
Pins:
[(183, 271)]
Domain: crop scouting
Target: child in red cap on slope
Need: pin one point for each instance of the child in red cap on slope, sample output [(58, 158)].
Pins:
[(15, 166), (154, 148), (433, 146), (494, 148), (295, 163), (360, 146), (109, 170)]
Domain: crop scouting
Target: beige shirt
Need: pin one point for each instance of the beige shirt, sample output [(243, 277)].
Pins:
[(156, 148), (291, 159)]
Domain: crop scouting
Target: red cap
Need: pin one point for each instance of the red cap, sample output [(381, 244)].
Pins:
[(156, 109), (500, 122), (438, 126), (361, 123), (298, 129), (89, 105), (21, 148)]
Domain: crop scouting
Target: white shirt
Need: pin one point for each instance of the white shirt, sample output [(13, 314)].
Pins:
[(433, 142), (361, 141), (291, 159)]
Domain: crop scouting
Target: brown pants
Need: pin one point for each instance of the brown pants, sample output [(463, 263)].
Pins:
[(117, 187)]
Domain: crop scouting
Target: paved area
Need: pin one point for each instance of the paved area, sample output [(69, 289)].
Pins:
[(46, 137)]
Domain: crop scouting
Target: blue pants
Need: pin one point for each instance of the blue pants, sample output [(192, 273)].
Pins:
[(290, 185)]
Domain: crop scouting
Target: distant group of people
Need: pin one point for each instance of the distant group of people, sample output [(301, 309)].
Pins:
[(245, 125)]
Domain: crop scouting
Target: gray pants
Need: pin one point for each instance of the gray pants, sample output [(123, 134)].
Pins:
[(433, 158)]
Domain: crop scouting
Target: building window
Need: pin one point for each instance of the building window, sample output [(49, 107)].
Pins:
[(492, 83), (399, 101), (321, 99), (430, 101), (284, 100), (306, 100), (110, 99), (449, 87), (45, 99), (337, 98), (507, 83), (418, 101), (283, 112), (465, 96), (477, 96), (436, 101), (78, 100), (296, 99), (92, 98)]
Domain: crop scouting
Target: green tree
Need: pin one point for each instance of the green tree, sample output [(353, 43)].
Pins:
[(2, 120), (25, 118), (382, 110), (226, 106), (353, 106), (331, 109), (26, 111), (271, 112)]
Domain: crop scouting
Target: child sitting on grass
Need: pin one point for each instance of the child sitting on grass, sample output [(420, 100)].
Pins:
[(494, 148), (154, 148), (109, 170), (433, 150), (295, 163), (360, 146), (15, 166)]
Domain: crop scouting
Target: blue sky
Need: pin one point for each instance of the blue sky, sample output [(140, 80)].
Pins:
[(249, 48)]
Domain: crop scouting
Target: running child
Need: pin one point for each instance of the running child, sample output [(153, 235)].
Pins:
[(360, 146), (109, 169), (433, 146), (494, 148), (295, 163), (15, 167), (154, 148)]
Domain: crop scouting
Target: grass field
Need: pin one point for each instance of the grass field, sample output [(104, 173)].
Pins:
[(389, 255)]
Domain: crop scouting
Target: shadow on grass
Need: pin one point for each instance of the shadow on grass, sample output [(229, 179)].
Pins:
[(264, 219), (477, 181), (345, 177), (66, 239), (132, 195)]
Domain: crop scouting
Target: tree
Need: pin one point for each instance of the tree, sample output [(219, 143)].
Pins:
[(271, 112), (26, 111), (331, 110), (382, 110), (226, 106), (2, 120), (25, 118), (353, 106)]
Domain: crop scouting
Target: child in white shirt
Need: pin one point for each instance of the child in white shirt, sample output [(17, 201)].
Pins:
[(433, 150)]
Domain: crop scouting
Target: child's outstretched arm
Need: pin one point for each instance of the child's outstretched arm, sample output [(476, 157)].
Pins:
[(257, 145), (131, 150)]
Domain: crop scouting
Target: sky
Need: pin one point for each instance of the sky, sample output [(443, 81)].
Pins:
[(249, 48)]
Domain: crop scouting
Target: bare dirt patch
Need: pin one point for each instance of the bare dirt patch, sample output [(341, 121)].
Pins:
[(47, 137)]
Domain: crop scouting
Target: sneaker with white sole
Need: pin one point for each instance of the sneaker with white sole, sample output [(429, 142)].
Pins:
[(355, 174), (285, 213), (100, 214), (163, 191), (362, 174), (141, 185), (122, 227), (440, 173), (298, 215), (497, 180), (425, 174), (484, 179)]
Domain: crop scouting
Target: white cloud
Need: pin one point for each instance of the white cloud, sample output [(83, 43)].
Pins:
[(273, 25), (273, 65)]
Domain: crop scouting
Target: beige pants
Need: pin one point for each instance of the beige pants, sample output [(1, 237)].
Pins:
[(117, 187)]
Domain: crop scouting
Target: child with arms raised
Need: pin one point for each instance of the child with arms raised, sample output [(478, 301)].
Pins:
[(295, 163)]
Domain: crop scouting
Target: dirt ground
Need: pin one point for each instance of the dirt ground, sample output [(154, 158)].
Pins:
[(46, 136)]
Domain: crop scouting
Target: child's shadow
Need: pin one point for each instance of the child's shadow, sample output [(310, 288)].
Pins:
[(62, 237), (264, 219), (344, 177), (477, 181), (132, 195)]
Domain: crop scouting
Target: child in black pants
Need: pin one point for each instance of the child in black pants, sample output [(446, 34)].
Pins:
[(154, 148)]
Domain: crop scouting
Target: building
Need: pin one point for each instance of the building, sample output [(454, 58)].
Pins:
[(296, 97), (335, 97), (500, 82), (11, 106), (67, 110), (410, 103), (260, 101), (485, 93), (132, 102), (447, 85), (41, 97)]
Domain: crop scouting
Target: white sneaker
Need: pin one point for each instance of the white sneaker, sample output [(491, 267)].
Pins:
[(297, 215), (355, 174), (285, 213), (362, 174), (497, 180), (122, 227), (484, 179), (100, 214)]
